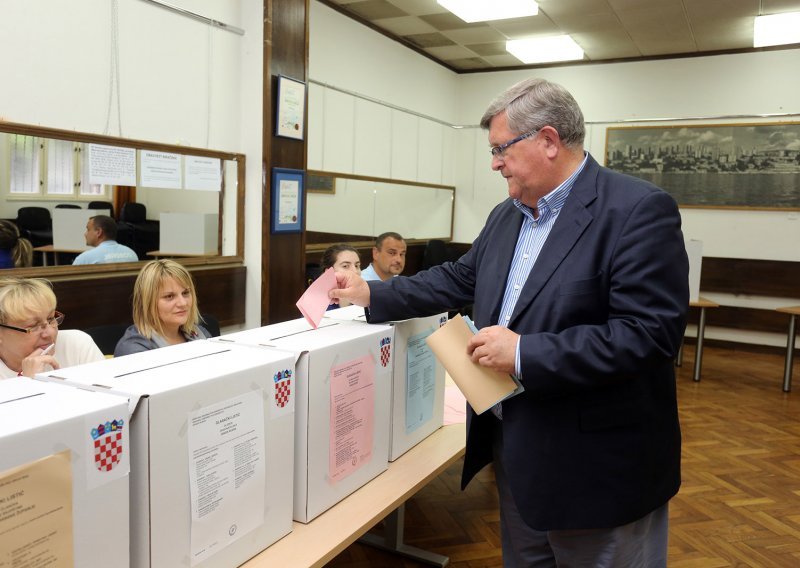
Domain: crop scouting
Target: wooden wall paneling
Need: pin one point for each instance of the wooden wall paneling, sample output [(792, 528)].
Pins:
[(753, 277), (283, 266), (89, 302)]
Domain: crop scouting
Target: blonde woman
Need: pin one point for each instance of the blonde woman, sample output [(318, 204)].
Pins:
[(30, 341), (15, 250), (164, 309)]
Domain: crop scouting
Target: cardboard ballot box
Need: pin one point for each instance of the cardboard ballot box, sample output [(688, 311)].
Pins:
[(344, 378), (64, 480), (212, 430), (418, 379)]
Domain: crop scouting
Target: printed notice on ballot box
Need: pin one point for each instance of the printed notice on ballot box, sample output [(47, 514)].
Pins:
[(352, 417), (36, 514), (226, 472)]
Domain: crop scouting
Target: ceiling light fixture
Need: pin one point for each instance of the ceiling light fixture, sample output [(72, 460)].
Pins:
[(545, 49), (483, 11), (776, 29)]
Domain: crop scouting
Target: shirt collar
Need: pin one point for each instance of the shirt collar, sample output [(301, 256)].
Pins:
[(554, 200)]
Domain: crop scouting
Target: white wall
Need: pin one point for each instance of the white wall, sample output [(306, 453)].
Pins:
[(181, 81), (743, 86), (725, 85)]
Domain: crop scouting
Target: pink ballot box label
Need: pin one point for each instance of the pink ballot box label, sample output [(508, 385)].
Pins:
[(352, 416)]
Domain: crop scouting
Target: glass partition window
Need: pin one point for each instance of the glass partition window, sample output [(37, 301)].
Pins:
[(22, 155), (42, 168), (371, 207)]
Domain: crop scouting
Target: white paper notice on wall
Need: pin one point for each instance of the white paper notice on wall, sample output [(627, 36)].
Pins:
[(112, 165), (694, 249), (203, 174), (227, 472), (160, 169)]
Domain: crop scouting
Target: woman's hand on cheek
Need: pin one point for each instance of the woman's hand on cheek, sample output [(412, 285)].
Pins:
[(38, 362)]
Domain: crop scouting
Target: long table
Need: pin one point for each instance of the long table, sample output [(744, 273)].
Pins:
[(318, 542)]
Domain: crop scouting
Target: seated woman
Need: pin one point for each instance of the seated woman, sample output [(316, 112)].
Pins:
[(343, 258), (15, 251), (164, 309), (30, 341)]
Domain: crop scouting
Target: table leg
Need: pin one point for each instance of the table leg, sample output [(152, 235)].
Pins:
[(787, 370), (392, 540), (698, 355), (679, 357)]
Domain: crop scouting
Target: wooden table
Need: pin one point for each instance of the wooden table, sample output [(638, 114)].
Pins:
[(44, 249), (318, 542), (703, 304), (793, 312), (160, 253)]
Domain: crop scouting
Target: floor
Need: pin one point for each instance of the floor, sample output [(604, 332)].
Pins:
[(739, 504)]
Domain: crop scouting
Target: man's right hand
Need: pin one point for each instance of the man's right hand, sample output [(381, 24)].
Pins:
[(352, 288)]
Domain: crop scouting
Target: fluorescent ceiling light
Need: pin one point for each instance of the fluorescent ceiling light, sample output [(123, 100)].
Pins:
[(545, 49), (776, 29), (483, 10)]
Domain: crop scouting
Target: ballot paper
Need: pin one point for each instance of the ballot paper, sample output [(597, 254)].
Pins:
[(482, 387), (314, 301)]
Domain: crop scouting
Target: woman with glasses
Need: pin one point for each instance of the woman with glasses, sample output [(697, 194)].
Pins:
[(30, 341), (164, 309)]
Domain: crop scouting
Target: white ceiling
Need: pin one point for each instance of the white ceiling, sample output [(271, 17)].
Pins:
[(605, 29)]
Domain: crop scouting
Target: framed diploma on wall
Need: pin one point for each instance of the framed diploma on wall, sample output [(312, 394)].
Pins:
[(287, 200), (291, 108)]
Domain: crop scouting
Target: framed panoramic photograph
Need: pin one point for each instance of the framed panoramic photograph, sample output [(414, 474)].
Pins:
[(736, 166)]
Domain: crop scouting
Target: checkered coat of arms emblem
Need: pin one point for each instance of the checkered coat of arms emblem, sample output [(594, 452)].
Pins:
[(386, 350), (108, 444), (283, 387)]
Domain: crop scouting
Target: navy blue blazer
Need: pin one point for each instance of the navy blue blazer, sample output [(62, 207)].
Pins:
[(594, 441)]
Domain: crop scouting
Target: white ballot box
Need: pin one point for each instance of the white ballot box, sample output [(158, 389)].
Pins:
[(212, 429), (69, 228), (64, 476), (188, 233), (344, 378), (418, 379)]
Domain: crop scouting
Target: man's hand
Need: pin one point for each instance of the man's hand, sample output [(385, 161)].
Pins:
[(352, 288), (494, 347)]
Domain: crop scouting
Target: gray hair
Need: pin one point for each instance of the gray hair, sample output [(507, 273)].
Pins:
[(534, 103)]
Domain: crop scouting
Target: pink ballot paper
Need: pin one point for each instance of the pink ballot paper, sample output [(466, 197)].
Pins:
[(313, 303)]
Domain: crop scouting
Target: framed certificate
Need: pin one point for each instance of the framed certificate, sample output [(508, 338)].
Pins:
[(287, 200), (291, 108)]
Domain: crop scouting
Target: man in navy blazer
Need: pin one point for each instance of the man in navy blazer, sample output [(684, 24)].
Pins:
[(580, 287)]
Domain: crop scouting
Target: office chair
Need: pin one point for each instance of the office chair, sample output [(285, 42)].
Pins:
[(36, 225), (145, 234), (107, 336), (211, 323), (105, 205), (68, 206)]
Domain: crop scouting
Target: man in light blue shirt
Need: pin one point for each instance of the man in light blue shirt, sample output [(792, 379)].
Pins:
[(388, 257), (101, 233)]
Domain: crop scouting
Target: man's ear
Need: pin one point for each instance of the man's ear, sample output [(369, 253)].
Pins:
[(552, 141), (375, 252)]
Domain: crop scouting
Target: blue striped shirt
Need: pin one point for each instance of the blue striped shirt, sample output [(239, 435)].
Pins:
[(532, 236)]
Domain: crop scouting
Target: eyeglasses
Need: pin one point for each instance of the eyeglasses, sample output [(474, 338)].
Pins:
[(53, 321), (499, 151)]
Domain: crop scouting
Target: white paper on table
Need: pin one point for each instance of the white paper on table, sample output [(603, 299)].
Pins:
[(227, 472)]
